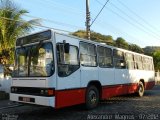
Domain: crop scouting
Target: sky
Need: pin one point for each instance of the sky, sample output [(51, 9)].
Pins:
[(137, 21)]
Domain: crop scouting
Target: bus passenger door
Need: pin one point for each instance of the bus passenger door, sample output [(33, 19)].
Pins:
[(68, 72)]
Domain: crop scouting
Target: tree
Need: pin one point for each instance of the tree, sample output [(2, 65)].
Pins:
[(156, 58), (95, 37), (135, 48), (11, 26), (121, 43), (80, 33)]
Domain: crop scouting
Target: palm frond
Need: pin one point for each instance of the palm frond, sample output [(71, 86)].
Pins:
[(12, 24)]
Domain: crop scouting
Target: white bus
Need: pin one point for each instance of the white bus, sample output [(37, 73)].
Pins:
[(58, 70)]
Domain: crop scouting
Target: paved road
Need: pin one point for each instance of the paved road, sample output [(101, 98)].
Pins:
[(127, 107)]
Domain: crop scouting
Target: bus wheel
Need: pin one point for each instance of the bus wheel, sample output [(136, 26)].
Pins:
[(140, 89), (92, 97)]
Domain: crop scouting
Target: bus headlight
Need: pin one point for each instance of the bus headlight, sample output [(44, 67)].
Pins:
[(12, 89), (46, 92), (42, 92), (15, 89)]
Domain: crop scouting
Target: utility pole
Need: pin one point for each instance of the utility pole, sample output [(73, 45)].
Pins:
[(87, 20)]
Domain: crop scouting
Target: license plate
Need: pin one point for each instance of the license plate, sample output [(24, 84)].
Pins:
[(26, 99)]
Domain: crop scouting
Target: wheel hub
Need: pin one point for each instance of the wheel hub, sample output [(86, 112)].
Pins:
[(92, 96)]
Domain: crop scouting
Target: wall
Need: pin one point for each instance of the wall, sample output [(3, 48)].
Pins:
[(5, 84)]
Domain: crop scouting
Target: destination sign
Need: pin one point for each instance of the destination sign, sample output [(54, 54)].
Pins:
[(34, 38)]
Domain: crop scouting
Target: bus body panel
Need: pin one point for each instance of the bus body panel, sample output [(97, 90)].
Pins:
[(69, 97), (121, 76), (88, 74), (29, 83), (106, 76)]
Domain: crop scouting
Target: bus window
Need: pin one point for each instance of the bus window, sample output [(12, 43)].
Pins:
[(41, 58), (147, 63), (130, 61), (138, 62), (104, 57), (67, 62), (88, 54), (22, 57), (118, 58), (34, 61), (151, 66)]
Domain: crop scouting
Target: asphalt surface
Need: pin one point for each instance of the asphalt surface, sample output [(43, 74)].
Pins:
[(128, 107)]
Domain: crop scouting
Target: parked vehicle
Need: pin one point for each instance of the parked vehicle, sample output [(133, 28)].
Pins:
[(58, 70)]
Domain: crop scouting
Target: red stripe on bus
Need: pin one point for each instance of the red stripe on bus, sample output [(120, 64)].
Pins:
[(115, 90), (149, 85), (71, 97), (110, 91), (66, 98)]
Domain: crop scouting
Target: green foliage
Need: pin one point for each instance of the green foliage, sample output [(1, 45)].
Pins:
[(135, 48), (156, 58), (149, 50), (121, 43), (11, 26), (80, 33), (95, 37)]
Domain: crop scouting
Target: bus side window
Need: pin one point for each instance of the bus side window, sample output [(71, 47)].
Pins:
[(119, 60), (135, 63), (88, 54), (130, 61), (151, 64), (138, 62), (147, 63), (105, 57), (67, 62)]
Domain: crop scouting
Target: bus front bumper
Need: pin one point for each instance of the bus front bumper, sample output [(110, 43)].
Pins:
[(30, 99)]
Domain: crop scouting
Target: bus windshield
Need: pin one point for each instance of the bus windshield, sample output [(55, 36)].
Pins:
[(34, 61)]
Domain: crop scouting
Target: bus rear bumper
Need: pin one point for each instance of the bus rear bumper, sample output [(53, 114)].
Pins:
[(37, 100)]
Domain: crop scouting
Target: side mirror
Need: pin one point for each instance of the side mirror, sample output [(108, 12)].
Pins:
[(66, 47)]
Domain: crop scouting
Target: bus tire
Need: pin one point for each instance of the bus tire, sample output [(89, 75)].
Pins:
[(92, 97), (140, 89)]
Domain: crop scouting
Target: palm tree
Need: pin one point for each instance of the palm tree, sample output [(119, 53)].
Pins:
[(12, 25)]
